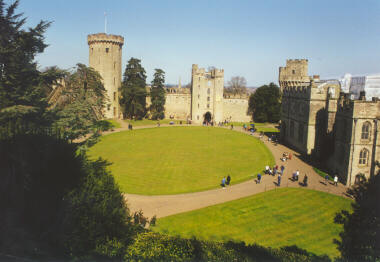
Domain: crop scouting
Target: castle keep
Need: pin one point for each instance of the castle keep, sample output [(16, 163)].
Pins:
[(205, 96), (105, 53), (319, 119)]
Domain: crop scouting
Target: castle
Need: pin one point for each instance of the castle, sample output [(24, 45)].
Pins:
[(105, 53), (203, 101), (319, 119)]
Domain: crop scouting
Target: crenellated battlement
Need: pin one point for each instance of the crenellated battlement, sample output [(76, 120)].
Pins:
[(102, 37), (213, 73)]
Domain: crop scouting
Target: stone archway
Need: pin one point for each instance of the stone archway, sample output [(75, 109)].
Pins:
[(207, 117)]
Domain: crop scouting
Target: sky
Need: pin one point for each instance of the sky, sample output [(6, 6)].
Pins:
[(246, 38)]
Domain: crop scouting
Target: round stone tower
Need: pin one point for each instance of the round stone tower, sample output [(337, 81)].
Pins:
[(105, 57)]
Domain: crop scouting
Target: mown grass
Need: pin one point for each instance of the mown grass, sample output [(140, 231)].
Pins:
[(114, 123), (149, 122), (172, 160), (276, 218)]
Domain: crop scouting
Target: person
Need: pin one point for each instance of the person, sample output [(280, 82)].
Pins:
[(258, 178), (158, 123), (245, 127), (290, 156), (282, 170), (336, 180), (267, 170), (274, 170), (224, 182), (279, 180), (326, 178), (305, 180), (232, 126), (297, 174), (228, 180)]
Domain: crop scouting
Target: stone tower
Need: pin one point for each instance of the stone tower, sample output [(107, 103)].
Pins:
[(206, 94), (294, 74), (105, 57)]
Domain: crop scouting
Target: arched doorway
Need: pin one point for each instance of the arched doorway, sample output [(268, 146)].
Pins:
[(207, 117)]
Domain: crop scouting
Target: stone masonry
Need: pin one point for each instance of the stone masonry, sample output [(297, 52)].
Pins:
[(318, 119)]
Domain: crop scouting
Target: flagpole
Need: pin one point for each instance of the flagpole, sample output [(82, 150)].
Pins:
[(105, 22)]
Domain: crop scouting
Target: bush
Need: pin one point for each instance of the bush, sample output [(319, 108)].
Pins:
[(151, 246)]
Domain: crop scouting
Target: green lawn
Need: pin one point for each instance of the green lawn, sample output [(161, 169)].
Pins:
[(322, 174), (114, 123), (172, 160), (276, 218), (148, 122)]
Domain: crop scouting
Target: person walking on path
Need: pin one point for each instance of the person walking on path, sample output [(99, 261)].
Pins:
[(279, 180), (297, 175), (336, 180), (305, 180), (290, 156), (258, 178), (282, 170), (228, 180), (326, 178), (224, 182)]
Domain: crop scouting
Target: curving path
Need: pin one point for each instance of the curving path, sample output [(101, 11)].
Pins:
[(166, 205)]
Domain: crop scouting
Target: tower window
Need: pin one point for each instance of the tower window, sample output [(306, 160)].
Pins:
[(108, 107), (208, 91), (293, 71), (198, 105), (107, 49), (197, 117), (199, 96), (113, 80), (208, 98), (363, 157), (114, 96), (208, 105)]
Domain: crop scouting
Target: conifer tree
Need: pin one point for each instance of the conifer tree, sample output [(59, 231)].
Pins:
[(21, 96), (132, 90), (157, 95), (360, 239)]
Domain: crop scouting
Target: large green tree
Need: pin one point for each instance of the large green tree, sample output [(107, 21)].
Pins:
[(132, 90), (80, 102), (264, 104), (157, 95), (360, 239), (22, 97)]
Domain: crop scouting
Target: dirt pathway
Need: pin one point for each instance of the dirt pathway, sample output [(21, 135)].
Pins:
[(166, 205)]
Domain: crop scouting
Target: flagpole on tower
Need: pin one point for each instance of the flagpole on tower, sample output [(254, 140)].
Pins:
[(105, 22)]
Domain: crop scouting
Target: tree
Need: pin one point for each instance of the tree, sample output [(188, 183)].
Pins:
[(237, 85), (22, 99), (133, 92), (264, 104), (157, 95), (80, 103), (360, 239)]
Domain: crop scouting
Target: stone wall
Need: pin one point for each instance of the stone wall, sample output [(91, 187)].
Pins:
[(177, 106), (235, 109)]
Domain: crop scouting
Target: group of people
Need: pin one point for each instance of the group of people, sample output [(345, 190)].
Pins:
[(130, 127), (286, 156), (226, 182)]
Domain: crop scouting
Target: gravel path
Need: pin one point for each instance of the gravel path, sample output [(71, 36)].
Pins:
[(166, 205)]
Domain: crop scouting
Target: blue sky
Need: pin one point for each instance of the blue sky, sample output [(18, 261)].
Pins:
[(245, 38)]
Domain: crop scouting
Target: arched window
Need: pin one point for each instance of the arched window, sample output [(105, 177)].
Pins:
[(363, 157), (366, 130)]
